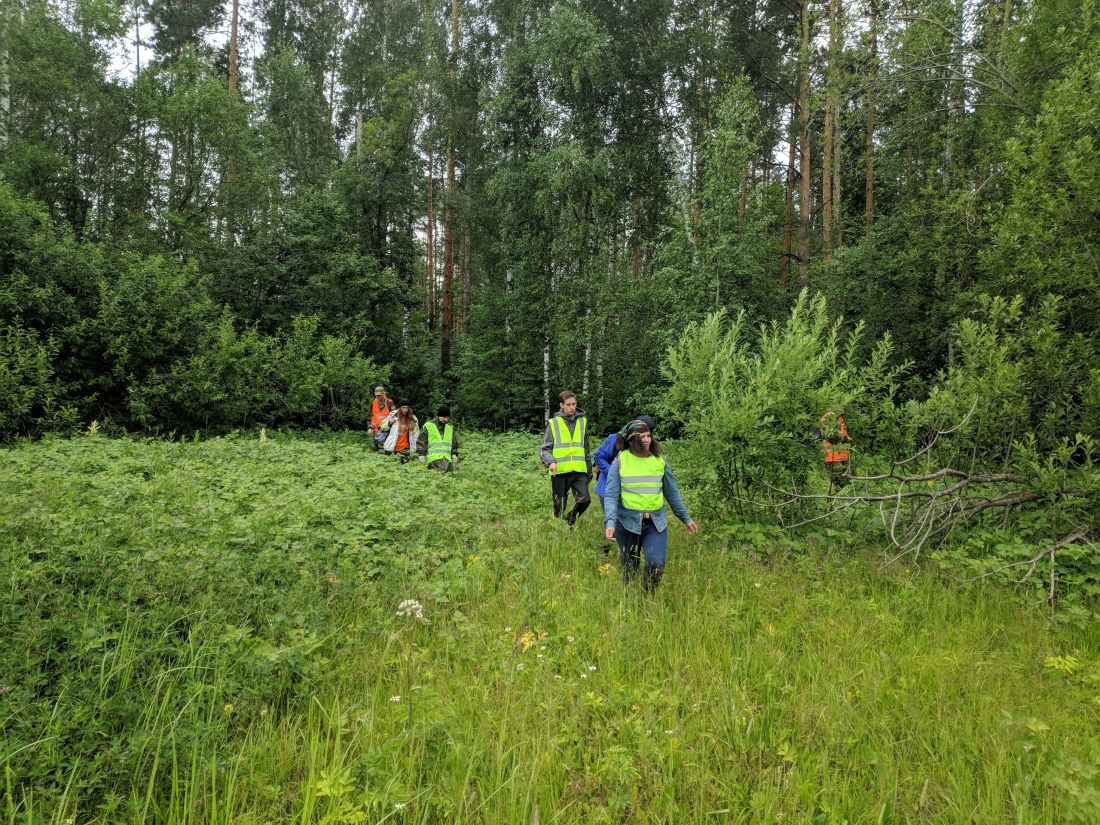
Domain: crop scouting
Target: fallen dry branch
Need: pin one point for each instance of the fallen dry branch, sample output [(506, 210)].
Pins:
[(918, 511)]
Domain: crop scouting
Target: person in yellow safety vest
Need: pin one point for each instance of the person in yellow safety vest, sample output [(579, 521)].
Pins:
[(438, 444), (639, 484), (564, 451), (834, 433)]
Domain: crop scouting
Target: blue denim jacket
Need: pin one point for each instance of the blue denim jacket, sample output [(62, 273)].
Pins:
[(631, 520)]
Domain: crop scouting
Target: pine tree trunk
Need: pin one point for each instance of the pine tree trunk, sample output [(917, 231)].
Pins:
[(430, 264), (830, 177), (804, 117), (448, 210), (827, 178), (838, 183), (233, 22)]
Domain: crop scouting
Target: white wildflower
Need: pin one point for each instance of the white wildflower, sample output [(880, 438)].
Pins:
[(591, 667), (412, 609), (569, 639), (395, 698), (519, 666)]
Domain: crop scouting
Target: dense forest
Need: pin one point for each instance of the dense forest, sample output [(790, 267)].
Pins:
[(218, 214), (223, 223)]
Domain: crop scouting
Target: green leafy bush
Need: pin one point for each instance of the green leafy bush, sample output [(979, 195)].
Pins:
[(751, 406), (237, 378), (26, 379)]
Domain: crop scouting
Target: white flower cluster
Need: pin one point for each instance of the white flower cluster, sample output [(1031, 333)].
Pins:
[(412, 609)]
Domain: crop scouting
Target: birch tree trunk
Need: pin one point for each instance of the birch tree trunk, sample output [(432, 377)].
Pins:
[(788, 219)]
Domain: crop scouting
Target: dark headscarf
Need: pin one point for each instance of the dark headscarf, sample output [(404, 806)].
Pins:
[(633, 429)]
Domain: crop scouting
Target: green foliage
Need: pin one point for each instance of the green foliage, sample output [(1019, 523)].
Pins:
[(1017, 376), (26, 379), (1044, 235), (751, 406), (238, 378), (266, 628)]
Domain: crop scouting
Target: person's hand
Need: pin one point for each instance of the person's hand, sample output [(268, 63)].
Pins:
[(609, 533), (422, 461), (692, 527), (553, 467)]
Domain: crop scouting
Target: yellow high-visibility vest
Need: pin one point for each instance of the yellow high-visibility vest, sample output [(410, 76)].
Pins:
[(641, 482), (569, 445)]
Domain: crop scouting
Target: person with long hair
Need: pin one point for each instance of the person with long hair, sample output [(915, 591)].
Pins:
[(403, 431), (639, 485)]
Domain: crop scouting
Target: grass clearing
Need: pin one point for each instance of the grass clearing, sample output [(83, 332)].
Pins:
[(207, 632)]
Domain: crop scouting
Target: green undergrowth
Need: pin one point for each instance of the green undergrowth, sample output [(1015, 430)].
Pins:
[(214, 631)]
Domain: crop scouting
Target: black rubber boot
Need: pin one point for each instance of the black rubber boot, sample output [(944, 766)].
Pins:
[(651, 577)]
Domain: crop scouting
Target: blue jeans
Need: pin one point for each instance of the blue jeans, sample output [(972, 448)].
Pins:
[(652, 545)]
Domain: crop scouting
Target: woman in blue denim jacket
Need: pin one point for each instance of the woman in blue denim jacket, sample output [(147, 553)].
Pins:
[(605, 454), (641, 532)]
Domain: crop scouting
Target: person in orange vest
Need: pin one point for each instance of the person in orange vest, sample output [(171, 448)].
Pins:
[(834, 440), (380, 409), (402, 431)]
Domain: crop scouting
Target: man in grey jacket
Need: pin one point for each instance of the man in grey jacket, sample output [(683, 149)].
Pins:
[(565, 453)]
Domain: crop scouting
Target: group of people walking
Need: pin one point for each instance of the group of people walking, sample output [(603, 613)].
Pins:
[(395, 430), (634, 483)]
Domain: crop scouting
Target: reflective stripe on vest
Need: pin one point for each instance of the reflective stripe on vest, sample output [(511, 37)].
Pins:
[(642, 482), (439, 446), (569, 446)]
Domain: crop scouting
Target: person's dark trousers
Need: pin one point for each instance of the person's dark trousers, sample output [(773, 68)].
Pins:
[(561, 484), (441, 464), (650, 544)]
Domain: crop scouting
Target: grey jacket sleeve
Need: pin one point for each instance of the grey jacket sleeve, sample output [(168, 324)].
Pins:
[(546, 450), (454, 444), (422, 442), (587, 453)]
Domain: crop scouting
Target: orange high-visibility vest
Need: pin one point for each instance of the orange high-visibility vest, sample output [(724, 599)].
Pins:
[(841, 454), (378, 412)]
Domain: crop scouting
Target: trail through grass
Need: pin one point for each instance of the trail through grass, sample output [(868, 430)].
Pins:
[(208, 632)]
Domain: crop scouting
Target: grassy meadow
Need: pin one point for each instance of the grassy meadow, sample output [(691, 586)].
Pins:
[(223, 631)]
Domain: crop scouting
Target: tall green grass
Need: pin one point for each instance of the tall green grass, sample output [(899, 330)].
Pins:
[(208, 632)]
